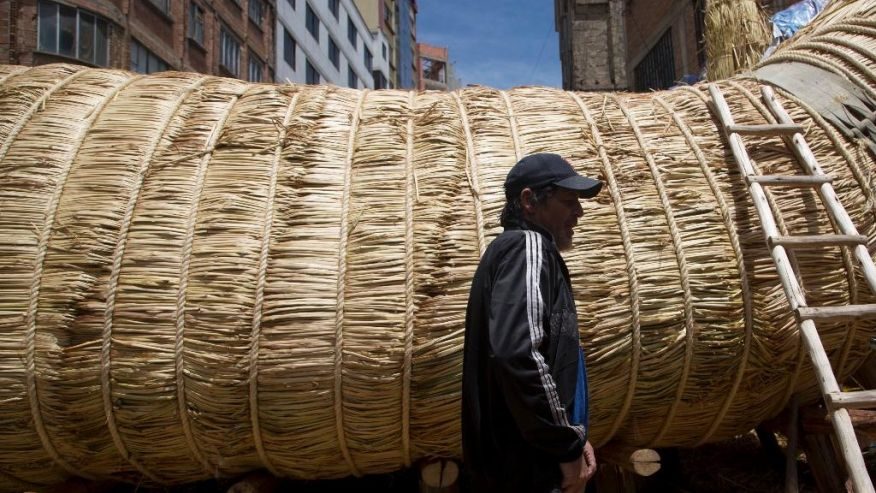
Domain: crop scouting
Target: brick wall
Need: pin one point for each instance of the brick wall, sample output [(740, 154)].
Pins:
[(164, 34)]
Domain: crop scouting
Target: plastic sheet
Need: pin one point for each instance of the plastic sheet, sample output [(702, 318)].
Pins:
[(790, 20)]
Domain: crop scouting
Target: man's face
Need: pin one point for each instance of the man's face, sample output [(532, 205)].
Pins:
[(558, 214)]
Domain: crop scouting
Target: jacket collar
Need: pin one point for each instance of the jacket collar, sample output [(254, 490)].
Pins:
[(526, 225)]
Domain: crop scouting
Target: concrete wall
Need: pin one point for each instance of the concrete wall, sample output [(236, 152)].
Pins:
[(592, 44)]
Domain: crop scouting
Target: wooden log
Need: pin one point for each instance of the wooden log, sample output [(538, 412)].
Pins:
[(439, 476), (766, 130), (860, 399), (836, 313), (805, 241), (643, 462), (789, 180), (815, 422)]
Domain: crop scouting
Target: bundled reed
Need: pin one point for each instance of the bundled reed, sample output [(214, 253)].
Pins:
[(203, 276), (737, 33)]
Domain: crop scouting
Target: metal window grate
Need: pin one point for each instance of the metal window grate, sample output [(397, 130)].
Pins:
[(657, 69)]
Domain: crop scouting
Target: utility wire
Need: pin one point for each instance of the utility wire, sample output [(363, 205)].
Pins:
[(538, 60)]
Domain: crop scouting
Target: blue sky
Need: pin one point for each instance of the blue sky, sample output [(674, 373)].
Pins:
[(496, 43)]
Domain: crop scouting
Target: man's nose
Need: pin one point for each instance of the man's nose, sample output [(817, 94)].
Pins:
[(579, 211)]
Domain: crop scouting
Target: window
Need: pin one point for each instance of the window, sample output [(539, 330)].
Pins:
[(657, 69), (144, 61), (291, 3), (73, 33), (255, 68), (335, 7), (383, 46), (352, 33), (162, 5), (312, 22), (352, 80), (288, 49), (229, 52), (380, 81), (368, 59), (334, 53), (312, 76), (256, 9), (196, 23)]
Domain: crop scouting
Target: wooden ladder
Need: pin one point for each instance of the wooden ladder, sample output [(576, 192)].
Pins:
[(836, 401)]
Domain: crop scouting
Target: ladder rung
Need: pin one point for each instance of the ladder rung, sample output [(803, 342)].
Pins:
[(816, 240), (859, 399), (776, 129), (835, 313), (790, 180)]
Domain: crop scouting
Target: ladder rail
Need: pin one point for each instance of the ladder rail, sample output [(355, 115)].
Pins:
[(828, 195), (792, 288), (842, 423), (835, 399)]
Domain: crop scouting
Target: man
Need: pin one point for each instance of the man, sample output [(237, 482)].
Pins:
[(524, 390)]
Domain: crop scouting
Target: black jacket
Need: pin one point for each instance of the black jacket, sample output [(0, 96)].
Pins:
[(520, 366)]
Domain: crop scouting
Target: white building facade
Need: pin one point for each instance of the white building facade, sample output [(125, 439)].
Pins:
[(327, 42)]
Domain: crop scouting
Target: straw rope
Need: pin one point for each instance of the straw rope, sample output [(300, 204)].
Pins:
[(10, 137), (179, 346), (471, 171), (255, 337), (791, 55), (680, 257), (12, 73), (733, 236), (106, 385), (512, 121), (629, 257), (410, 308), (33, 305), (342, 270), (840, 54)]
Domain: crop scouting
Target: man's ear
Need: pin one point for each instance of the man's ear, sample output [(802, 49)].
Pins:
[(527, 201)]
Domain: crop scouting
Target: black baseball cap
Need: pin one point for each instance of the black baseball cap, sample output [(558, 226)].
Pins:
[(538, 170)]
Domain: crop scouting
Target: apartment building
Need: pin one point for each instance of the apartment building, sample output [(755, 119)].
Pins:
[(632, 44), (396, 20), (433, 67), (408, 75), (232, 38), (328, 42)]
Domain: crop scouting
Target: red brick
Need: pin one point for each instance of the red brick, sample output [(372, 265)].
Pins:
[(164, 35)]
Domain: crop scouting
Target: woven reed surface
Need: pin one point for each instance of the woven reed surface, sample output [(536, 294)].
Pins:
[(203, 276), (736, 35)]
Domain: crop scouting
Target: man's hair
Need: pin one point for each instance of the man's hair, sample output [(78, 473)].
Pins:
[(512, 214)]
